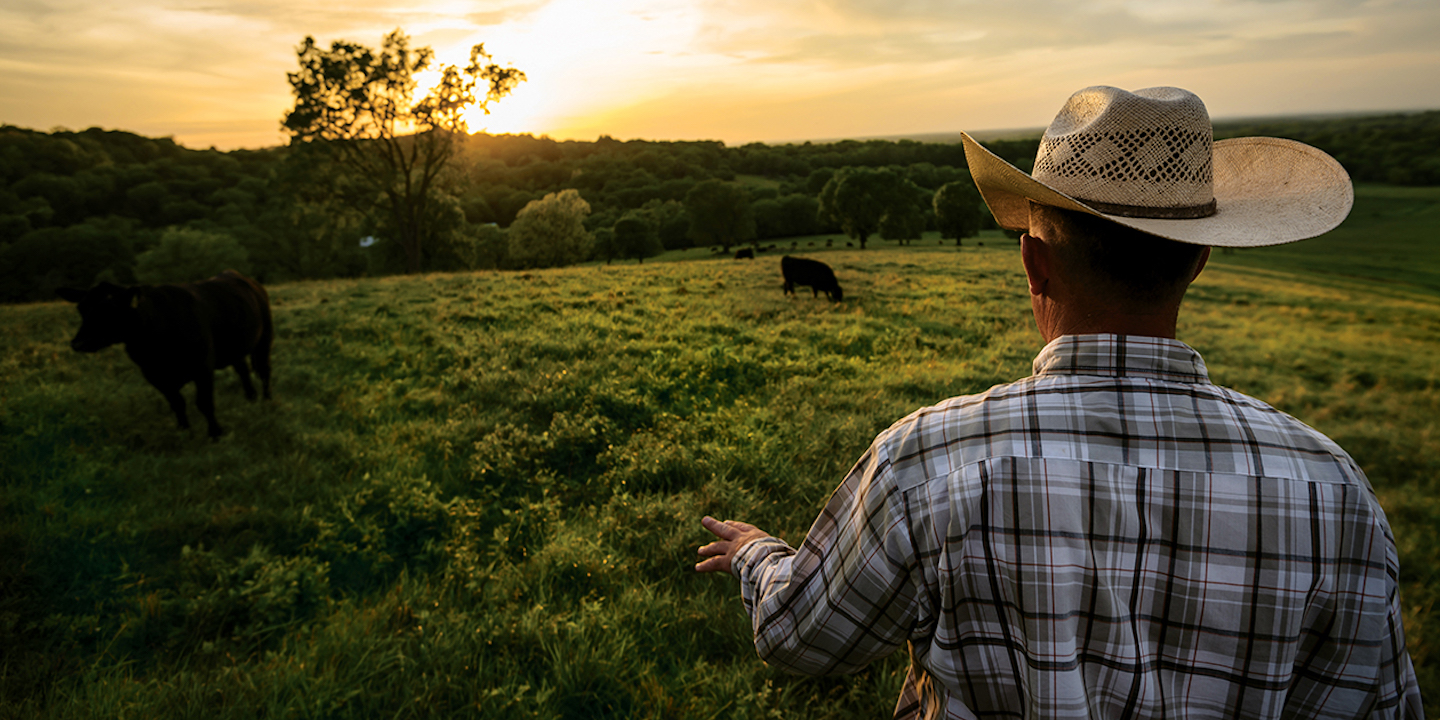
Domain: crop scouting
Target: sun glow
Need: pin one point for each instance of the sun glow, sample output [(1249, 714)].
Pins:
[(580, 59), (522, 111), (519, 112)]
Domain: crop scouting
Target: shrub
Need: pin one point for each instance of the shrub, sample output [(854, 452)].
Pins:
[(550, 232), (185, 255)]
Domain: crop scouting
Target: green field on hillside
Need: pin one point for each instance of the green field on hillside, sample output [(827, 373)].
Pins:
[(477, 495), (1391, 237)]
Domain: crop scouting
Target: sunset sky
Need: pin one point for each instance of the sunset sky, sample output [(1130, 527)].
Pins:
[(212, 72)]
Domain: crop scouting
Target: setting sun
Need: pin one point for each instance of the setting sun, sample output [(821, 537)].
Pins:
[(519, 112), (580, 59)]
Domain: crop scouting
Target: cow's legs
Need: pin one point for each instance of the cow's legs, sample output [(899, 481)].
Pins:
[(177, 405), (789, 288), (205, 400), (260, 358), (243, 370)]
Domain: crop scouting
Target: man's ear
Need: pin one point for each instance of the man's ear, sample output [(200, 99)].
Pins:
[(1204, 258), (1035, 254)]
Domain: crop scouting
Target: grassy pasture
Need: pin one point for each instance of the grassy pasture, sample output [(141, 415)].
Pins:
[(477, 495), (1392, 237)]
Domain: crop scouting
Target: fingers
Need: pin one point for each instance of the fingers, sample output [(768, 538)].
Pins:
[(718, 557), (727, 529), (723, 530), (714, 564), (733, 535), (718, 552)]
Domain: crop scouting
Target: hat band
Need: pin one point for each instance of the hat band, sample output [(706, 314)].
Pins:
[(1189, 212)]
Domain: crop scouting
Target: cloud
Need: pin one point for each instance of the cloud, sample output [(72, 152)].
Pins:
[(857, 32), (502, 15)]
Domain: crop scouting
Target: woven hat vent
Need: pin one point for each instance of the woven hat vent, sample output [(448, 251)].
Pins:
[(1135, 152)]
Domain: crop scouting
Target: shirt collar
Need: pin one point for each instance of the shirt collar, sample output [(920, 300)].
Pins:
[(1132, 356)]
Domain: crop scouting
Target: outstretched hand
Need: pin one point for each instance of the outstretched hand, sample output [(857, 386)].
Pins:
[(733, 535)]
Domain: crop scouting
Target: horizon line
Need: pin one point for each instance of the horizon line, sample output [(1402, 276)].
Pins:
[(941, 137)]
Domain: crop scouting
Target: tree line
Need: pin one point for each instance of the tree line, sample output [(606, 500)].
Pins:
[(77, 207), (1393, 149), (378, 180)]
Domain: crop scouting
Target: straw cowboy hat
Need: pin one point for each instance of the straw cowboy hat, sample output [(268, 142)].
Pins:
[(1148, 160)]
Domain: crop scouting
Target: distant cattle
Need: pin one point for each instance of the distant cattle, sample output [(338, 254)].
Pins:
[(812, 273), (746, 253), (180, 334)]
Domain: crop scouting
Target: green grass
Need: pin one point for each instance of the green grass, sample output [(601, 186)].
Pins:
[(1391, 237), (477, 495)]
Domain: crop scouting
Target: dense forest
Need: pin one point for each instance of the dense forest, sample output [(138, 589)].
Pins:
[(80, 207)]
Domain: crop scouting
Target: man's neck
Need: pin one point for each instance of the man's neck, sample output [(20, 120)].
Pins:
[(1054, 321)]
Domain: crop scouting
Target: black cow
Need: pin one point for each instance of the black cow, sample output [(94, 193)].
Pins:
[(180, 334), (817, 275), (743, 254)]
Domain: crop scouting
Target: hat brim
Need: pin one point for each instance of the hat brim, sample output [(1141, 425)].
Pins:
[(1268, 191)]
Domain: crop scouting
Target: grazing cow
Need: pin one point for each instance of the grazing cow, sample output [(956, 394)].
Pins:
[(746, 253), (180, 334), (813, 273)]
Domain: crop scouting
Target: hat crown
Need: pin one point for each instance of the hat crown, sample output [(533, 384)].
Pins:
[(1147, 153)]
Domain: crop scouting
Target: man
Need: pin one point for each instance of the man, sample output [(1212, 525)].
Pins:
[(1115, 536)]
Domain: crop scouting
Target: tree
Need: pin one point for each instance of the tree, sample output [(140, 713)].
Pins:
[(670, 221), (304, 227), (904, 220), (957, 210), (787, 216), (858, 199), (817, 180), (186, 255), (603, 244), (42, 260), (550, 232), (635, 237), (720, 213), (357, 105), (482, 247), (444, 233)]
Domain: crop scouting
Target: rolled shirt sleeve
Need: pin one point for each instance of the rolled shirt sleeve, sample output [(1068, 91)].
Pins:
[(849, 594)]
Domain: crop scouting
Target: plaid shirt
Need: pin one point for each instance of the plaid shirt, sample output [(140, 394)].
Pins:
[(1114, 537)]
